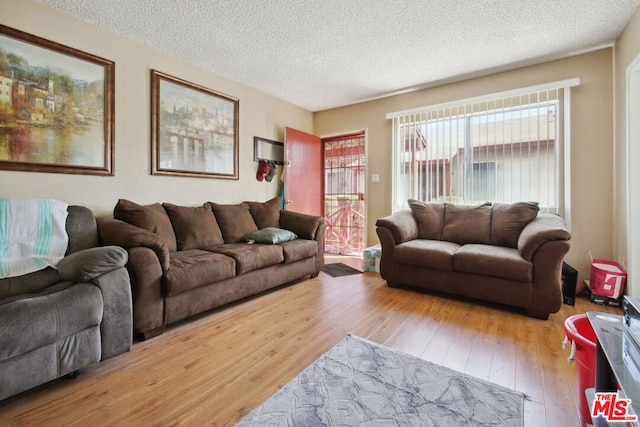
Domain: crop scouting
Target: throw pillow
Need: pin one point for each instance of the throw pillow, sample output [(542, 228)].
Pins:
[(235, 221), (430, 218), (508, 220), (271, 235), (467, 224), (152, 218), (266, 214), (195, 227)]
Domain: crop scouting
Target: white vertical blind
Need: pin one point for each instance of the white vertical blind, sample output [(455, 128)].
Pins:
[(501, 148)]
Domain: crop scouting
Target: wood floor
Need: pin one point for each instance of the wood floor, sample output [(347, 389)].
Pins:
[(214, 369)]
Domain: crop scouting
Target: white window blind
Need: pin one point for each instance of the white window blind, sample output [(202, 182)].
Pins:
[(506, 147)]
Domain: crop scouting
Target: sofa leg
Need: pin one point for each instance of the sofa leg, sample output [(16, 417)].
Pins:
[(314, 275), (152, 333), (73, 375), (392, 284), (542, 315)]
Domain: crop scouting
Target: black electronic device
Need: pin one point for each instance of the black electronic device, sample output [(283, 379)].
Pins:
[(631, 308)]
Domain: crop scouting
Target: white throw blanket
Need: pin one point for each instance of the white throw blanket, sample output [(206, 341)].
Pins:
[(32, 235)]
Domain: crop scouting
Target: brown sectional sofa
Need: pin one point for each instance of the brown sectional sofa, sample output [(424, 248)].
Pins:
[(186, 260), (504, 253)]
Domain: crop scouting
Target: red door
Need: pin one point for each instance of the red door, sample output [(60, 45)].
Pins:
[(304, 179)]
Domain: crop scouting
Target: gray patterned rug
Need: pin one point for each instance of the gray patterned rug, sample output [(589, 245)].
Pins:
[(361, 383)]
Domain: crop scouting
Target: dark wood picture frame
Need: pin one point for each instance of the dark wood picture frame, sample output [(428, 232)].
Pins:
[(194, 130), (267, 149), (56, 107)]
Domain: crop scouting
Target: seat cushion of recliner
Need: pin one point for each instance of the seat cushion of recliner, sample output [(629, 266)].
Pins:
[(251, 257), (195, 267), (38, 320), (495, 261), (435, 254)]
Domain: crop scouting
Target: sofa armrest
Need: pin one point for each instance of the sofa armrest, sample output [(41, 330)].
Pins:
[(305, 226), (309, 227), (87, 264), (402, 225), (544, 228), (120, 233)]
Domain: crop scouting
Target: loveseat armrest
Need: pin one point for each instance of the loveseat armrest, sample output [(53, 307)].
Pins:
[(305, 226), (120, 233), (544, 228), (402, 225), (87, 264), (104, 267), (116, 328)]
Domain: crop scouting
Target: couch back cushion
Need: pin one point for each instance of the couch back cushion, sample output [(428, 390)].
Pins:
[(467, 224), (195, 227), (266, 214), (235, 221), (429, 217), (82, 229), (508, 220), (150, 217)]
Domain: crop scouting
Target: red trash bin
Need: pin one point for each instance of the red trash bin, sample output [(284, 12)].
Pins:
[(583, 352)]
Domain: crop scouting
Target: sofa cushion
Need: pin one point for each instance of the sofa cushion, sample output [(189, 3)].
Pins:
[(194, 268), (235, 221), (426, 253), (467, 224), (429, 217), (298, 249), (150, 217), (28, 283), (195, 227), (271, 236), (251, 257), (266, 214), (495, 261), (508, 220)]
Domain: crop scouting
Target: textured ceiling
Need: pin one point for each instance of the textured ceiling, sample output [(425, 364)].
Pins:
[(320, 54)]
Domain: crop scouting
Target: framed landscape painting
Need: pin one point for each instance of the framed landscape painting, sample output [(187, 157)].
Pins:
[(56, 107), (194, 130)]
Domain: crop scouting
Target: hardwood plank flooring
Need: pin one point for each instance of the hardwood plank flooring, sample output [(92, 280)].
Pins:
[(213, 369)]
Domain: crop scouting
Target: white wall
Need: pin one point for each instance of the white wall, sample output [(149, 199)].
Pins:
[(626, 50), (260, 115)]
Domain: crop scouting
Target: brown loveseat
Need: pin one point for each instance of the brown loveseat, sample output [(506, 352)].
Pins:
[(505, 253), (186, 260)]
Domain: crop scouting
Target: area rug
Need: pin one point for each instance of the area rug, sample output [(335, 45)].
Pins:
[(339, 269), (359, 382)]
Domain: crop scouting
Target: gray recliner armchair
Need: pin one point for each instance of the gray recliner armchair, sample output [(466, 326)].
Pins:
[(55, 322)]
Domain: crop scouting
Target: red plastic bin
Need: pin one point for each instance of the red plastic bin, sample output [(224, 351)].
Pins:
[(581, 335)]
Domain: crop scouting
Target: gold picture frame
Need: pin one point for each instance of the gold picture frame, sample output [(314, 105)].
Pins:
[(194, 130), (56, 107)]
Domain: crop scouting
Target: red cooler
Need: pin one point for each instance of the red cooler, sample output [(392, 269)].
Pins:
[(583, 338)]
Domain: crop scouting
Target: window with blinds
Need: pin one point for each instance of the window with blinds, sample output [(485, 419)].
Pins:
[(507, 147)]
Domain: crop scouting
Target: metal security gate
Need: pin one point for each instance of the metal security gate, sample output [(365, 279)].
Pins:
[(344, 209)]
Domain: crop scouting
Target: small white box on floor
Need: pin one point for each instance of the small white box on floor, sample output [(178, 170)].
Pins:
[(371, 259)]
